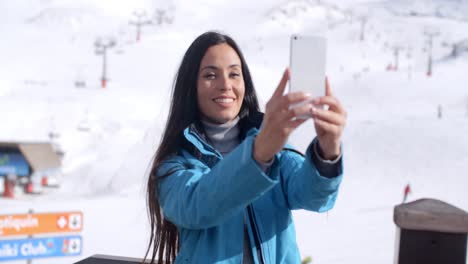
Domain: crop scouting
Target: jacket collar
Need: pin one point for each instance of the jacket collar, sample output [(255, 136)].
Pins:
[(196, 145)]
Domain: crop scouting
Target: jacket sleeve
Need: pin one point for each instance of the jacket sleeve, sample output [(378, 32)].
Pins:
[(198, 198), (303, 185)]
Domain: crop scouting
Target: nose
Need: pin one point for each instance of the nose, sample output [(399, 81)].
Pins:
[(225, 83)]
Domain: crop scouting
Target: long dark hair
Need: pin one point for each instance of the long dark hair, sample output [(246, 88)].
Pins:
[(183, 112)]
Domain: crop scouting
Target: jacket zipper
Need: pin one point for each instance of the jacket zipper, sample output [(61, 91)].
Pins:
[(258, 245), (212, 149)]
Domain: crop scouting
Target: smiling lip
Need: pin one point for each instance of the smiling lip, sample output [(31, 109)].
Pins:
[(224, 100)]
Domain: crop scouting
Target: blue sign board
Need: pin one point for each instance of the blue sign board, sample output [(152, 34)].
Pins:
[(46, 247), (13, 163)]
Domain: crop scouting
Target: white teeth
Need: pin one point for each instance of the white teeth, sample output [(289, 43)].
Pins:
[(224, 100)]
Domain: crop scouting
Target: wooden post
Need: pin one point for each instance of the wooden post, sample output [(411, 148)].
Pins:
[(10, 183), (29, 261), (430, 231)]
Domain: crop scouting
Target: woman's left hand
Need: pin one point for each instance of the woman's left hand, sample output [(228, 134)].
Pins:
[(329, 124)]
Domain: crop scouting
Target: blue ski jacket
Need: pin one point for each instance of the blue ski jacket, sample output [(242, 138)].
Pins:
[(209, 197)]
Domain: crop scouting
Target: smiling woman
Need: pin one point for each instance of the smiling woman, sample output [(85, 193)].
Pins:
[(223, 181), (220, 84)]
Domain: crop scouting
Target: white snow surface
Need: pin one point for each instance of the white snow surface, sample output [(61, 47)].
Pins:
[(393, 134)]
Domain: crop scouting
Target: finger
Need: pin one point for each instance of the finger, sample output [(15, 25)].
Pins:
[(331, 101), (329, 116), (304, 111), (282, 85), (294, 98), (328, 91), (327, 127), (293, 124)]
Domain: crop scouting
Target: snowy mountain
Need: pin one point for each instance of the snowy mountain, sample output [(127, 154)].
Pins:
[(51, 82)]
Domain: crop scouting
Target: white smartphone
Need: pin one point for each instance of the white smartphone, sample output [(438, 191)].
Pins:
[(307, 64)]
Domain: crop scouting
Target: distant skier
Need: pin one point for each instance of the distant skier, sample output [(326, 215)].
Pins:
[(406, 192)]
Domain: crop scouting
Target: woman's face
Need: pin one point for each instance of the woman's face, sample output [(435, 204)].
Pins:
[(220, 84)]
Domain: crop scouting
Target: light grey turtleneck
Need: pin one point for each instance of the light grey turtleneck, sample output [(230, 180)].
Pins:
[(223, 137)]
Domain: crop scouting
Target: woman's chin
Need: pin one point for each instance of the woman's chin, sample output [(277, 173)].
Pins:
[(221, 119)]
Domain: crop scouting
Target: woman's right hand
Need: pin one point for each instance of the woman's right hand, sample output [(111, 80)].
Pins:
[(280, 120)]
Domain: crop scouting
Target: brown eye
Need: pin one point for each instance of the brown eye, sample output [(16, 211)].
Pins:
[(234, 75), (209, 76)]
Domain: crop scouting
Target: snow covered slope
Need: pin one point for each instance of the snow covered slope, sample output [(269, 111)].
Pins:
[(393, 137)]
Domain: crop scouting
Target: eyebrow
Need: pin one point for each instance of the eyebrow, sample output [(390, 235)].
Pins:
[(212, 67)]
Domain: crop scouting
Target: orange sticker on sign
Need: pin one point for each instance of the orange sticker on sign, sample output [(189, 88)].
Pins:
[(31, 224)]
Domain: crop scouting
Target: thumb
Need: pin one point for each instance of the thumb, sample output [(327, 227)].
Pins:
[(282, 85), (328, 91)]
